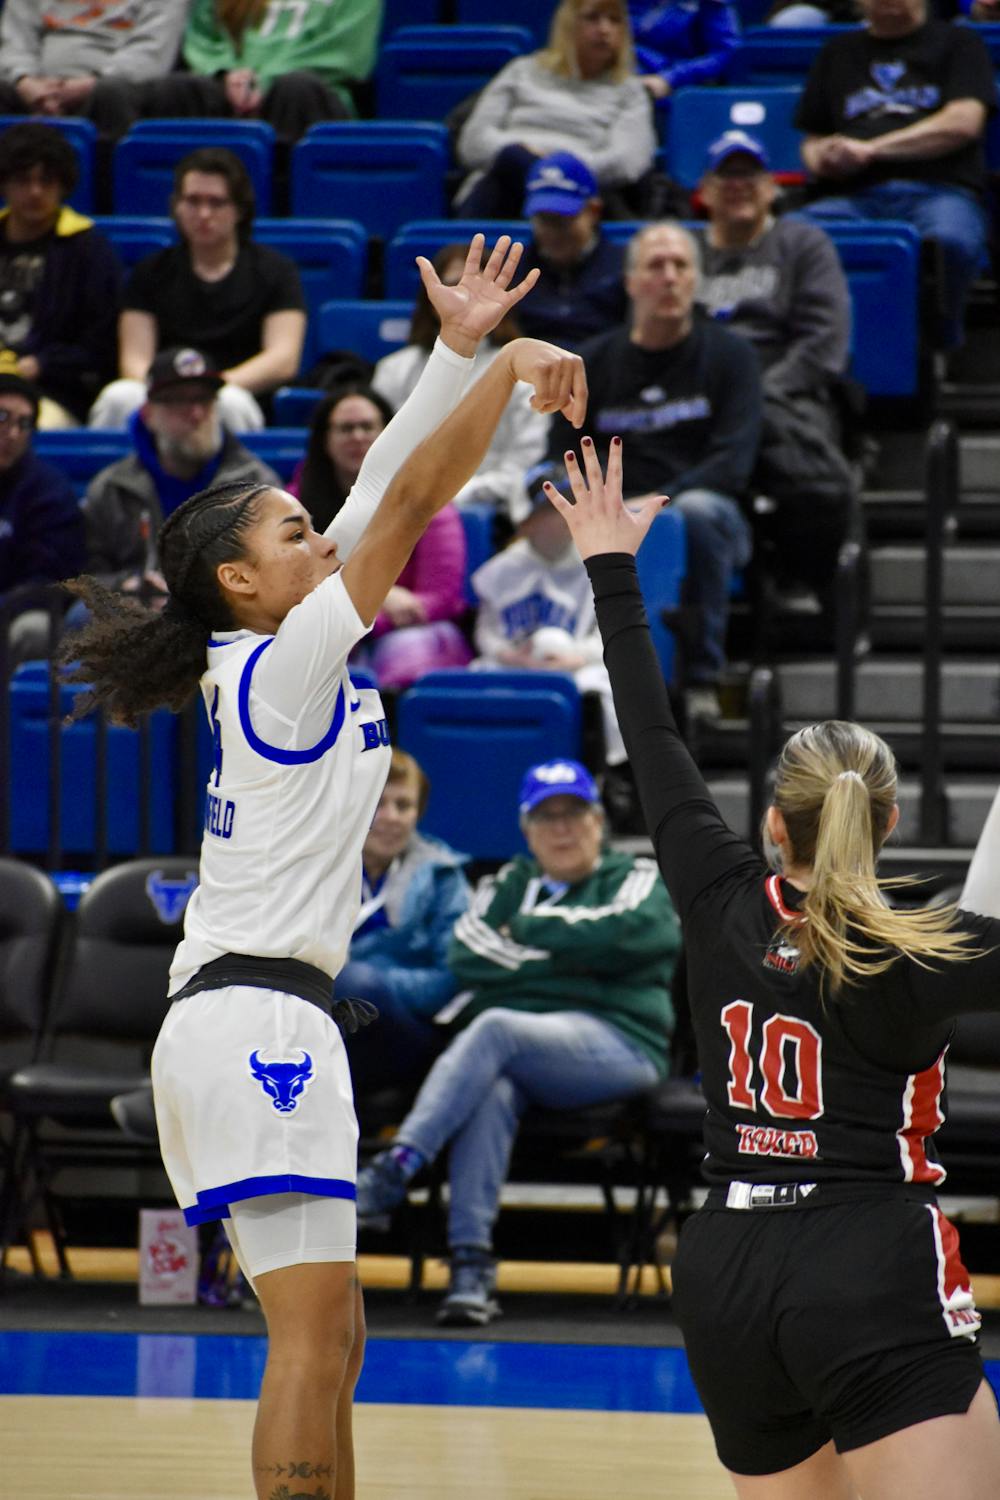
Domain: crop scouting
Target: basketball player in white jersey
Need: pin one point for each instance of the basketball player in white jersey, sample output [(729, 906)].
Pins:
[(253, 1094)]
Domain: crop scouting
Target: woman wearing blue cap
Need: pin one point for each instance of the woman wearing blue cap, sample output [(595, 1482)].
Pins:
[(566, 957)]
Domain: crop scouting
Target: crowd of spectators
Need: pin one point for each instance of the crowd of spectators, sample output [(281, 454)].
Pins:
[(719, 351)]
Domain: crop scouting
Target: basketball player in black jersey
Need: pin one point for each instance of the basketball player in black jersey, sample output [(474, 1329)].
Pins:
[(828, 1318)]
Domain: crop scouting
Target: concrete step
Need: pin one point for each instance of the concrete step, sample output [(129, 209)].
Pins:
[(971, 575), (966, 627), (891, 690), (968, 801)]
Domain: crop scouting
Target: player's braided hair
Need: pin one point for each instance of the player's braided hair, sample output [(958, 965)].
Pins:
[(133, 658), (835, 787)]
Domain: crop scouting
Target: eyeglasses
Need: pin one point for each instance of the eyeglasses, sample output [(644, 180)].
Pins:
[(212, 201), (19, 424), (344, 429)]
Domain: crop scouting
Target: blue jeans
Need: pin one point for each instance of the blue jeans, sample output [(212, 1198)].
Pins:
[(952, 216), (719, 541), (480, 1086), (397, 1050)]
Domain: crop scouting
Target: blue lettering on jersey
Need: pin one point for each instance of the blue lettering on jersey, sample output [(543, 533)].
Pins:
[(656, 418), (374, 732), (524, 616), (219, 816), (213, 719)]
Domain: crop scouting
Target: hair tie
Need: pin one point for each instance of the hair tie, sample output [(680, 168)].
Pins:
[(850, 775)]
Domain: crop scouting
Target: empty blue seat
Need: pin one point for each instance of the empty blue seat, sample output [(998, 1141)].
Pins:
[(381, 172), (426, 237), (368, 328), (661, 564), (332, 257), (882, 264), (136, 237), (144, 161), (293, 405), (477, 522), (424, 71), (779, 54), (534, 17), (82, 136), (409, 13), (699, 115), (81, 453), (475, 740), (281, 447), (29, 781)]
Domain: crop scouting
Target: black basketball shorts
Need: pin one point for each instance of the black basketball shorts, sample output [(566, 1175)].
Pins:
[(847, 1321)]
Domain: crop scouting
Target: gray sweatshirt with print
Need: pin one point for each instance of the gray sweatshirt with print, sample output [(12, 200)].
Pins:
[(132, 40)]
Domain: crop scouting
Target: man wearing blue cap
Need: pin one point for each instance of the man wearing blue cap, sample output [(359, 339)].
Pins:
[(580, 289), (566, 956), (779, 283)]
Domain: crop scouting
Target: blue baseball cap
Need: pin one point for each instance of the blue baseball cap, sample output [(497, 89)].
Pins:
[(558, 184), (556, 778), (736, 143)]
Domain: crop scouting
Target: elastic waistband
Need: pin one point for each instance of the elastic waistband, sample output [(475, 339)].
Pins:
[(744, 1196), (289, 975)]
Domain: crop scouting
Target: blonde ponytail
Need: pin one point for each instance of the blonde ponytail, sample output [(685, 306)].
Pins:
[(836, 790)]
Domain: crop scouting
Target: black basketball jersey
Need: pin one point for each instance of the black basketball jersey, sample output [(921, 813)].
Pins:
[(798, 1089)]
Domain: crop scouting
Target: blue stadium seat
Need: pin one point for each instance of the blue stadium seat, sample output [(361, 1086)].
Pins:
[(82, 136), (424, 71), (292, 405), (661, 564), (426, 237), (368, 328), (81, 453), (332, 257), (409, 13), (699, 115), (478, 523), (535, 16), (475, 740), (779, 54), (281, 447), (29, 781), (882, 264), (144, 161), (383, 172), (136, 237)]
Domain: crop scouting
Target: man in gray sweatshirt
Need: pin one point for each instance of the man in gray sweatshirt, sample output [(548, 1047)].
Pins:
[(61, 57)]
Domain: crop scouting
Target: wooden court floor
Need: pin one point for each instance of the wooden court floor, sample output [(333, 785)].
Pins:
[(80, 1448)]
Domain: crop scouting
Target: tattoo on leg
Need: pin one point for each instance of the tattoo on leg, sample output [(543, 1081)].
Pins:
[(284, 1493), (297, 1470)]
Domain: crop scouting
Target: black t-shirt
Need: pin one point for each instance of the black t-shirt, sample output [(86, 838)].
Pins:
[(863, 86), (22, 267), (797, 1090), (689, 416), (224, 319)]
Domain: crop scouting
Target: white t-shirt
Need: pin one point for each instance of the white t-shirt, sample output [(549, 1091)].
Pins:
[(520, 592), (301, 756)]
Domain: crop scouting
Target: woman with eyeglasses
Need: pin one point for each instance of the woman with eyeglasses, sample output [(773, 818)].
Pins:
[(416, 630)]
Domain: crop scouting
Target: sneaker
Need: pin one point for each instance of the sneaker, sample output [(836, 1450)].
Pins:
[(470, 1301), (381, 1186), (701, 704)]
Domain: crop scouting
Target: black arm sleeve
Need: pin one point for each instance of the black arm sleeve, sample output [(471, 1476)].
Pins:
[(694, 846)]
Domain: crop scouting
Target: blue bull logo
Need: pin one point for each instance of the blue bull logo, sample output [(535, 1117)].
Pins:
[(169, 896), (283, 1082)]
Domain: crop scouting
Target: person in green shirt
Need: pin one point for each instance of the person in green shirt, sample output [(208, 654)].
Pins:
[(289, 62), (566, 960)]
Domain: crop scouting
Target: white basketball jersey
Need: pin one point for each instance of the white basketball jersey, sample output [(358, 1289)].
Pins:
[(301, 758)]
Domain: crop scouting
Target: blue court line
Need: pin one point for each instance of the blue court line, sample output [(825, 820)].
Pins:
[(422, 1372)]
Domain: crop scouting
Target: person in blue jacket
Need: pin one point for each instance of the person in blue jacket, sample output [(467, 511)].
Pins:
[(680, 43), (413, 893)]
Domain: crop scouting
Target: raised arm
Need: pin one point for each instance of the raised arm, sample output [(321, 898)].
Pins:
[(694, 847)]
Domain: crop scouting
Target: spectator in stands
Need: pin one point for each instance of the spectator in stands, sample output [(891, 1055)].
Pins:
[(894, 116), (179, 447), (61, 57), (59, 279), (289, 65), (779, 283), (568, 955), (578, 94), (217, 291), (580, 289), (535, 614), (685, 396), (413, 893), (681, 44), (521, 434), (416, 629), (41, 529)]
